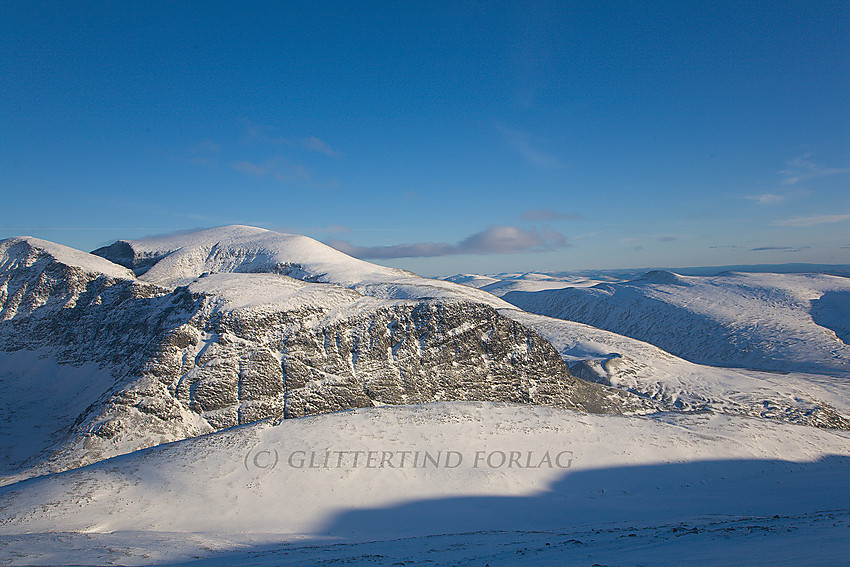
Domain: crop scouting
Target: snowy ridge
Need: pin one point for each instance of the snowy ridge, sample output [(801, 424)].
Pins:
[(272, 292), (179, 259), (144, 364), (500, 284)]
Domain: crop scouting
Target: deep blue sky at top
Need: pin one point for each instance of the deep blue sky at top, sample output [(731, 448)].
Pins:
[(479, 136)]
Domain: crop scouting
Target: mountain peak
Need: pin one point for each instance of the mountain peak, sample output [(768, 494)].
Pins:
[(180, 258), (24, 249)]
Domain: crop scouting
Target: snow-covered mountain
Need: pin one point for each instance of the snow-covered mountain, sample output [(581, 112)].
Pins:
[(501, 484), (233, 325), (779, 322)]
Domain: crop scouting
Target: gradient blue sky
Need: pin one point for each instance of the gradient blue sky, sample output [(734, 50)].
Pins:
[(480, 137)]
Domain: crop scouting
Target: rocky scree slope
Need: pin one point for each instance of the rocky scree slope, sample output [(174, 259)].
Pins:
[(196, 352)]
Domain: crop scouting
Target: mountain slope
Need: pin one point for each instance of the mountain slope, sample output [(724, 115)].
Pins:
[(678, 385)]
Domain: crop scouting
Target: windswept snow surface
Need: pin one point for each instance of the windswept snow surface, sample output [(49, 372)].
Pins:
[(39, 399), (711, 489), (782, 322), (274, 292)]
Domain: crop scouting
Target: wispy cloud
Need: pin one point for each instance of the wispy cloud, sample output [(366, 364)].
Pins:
[(667, 238), (278, 167), (548, 215), (314, 144), (767, 198), (802, 168), (206, 147), (779, 248), (249, 168), (812, 221), (493, 240), (203, 154), (522, 143), (254, 133), (333, 229)]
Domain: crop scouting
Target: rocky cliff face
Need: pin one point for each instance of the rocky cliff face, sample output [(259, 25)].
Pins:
[(234, 348)]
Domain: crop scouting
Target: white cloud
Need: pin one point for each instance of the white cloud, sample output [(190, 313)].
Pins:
[(334, 228), (314, 144), (779, 248), (249, 168), (278, 167), (268, 135)]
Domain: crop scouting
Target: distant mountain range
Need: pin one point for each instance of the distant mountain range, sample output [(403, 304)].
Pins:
[(781, 322)]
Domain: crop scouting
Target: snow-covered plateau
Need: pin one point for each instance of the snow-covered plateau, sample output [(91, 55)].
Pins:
[(237, 396)]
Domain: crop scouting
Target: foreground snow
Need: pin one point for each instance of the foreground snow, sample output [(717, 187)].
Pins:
[(572, 488)]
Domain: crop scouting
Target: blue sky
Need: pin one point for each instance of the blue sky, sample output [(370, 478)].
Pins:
[(463, 136)]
